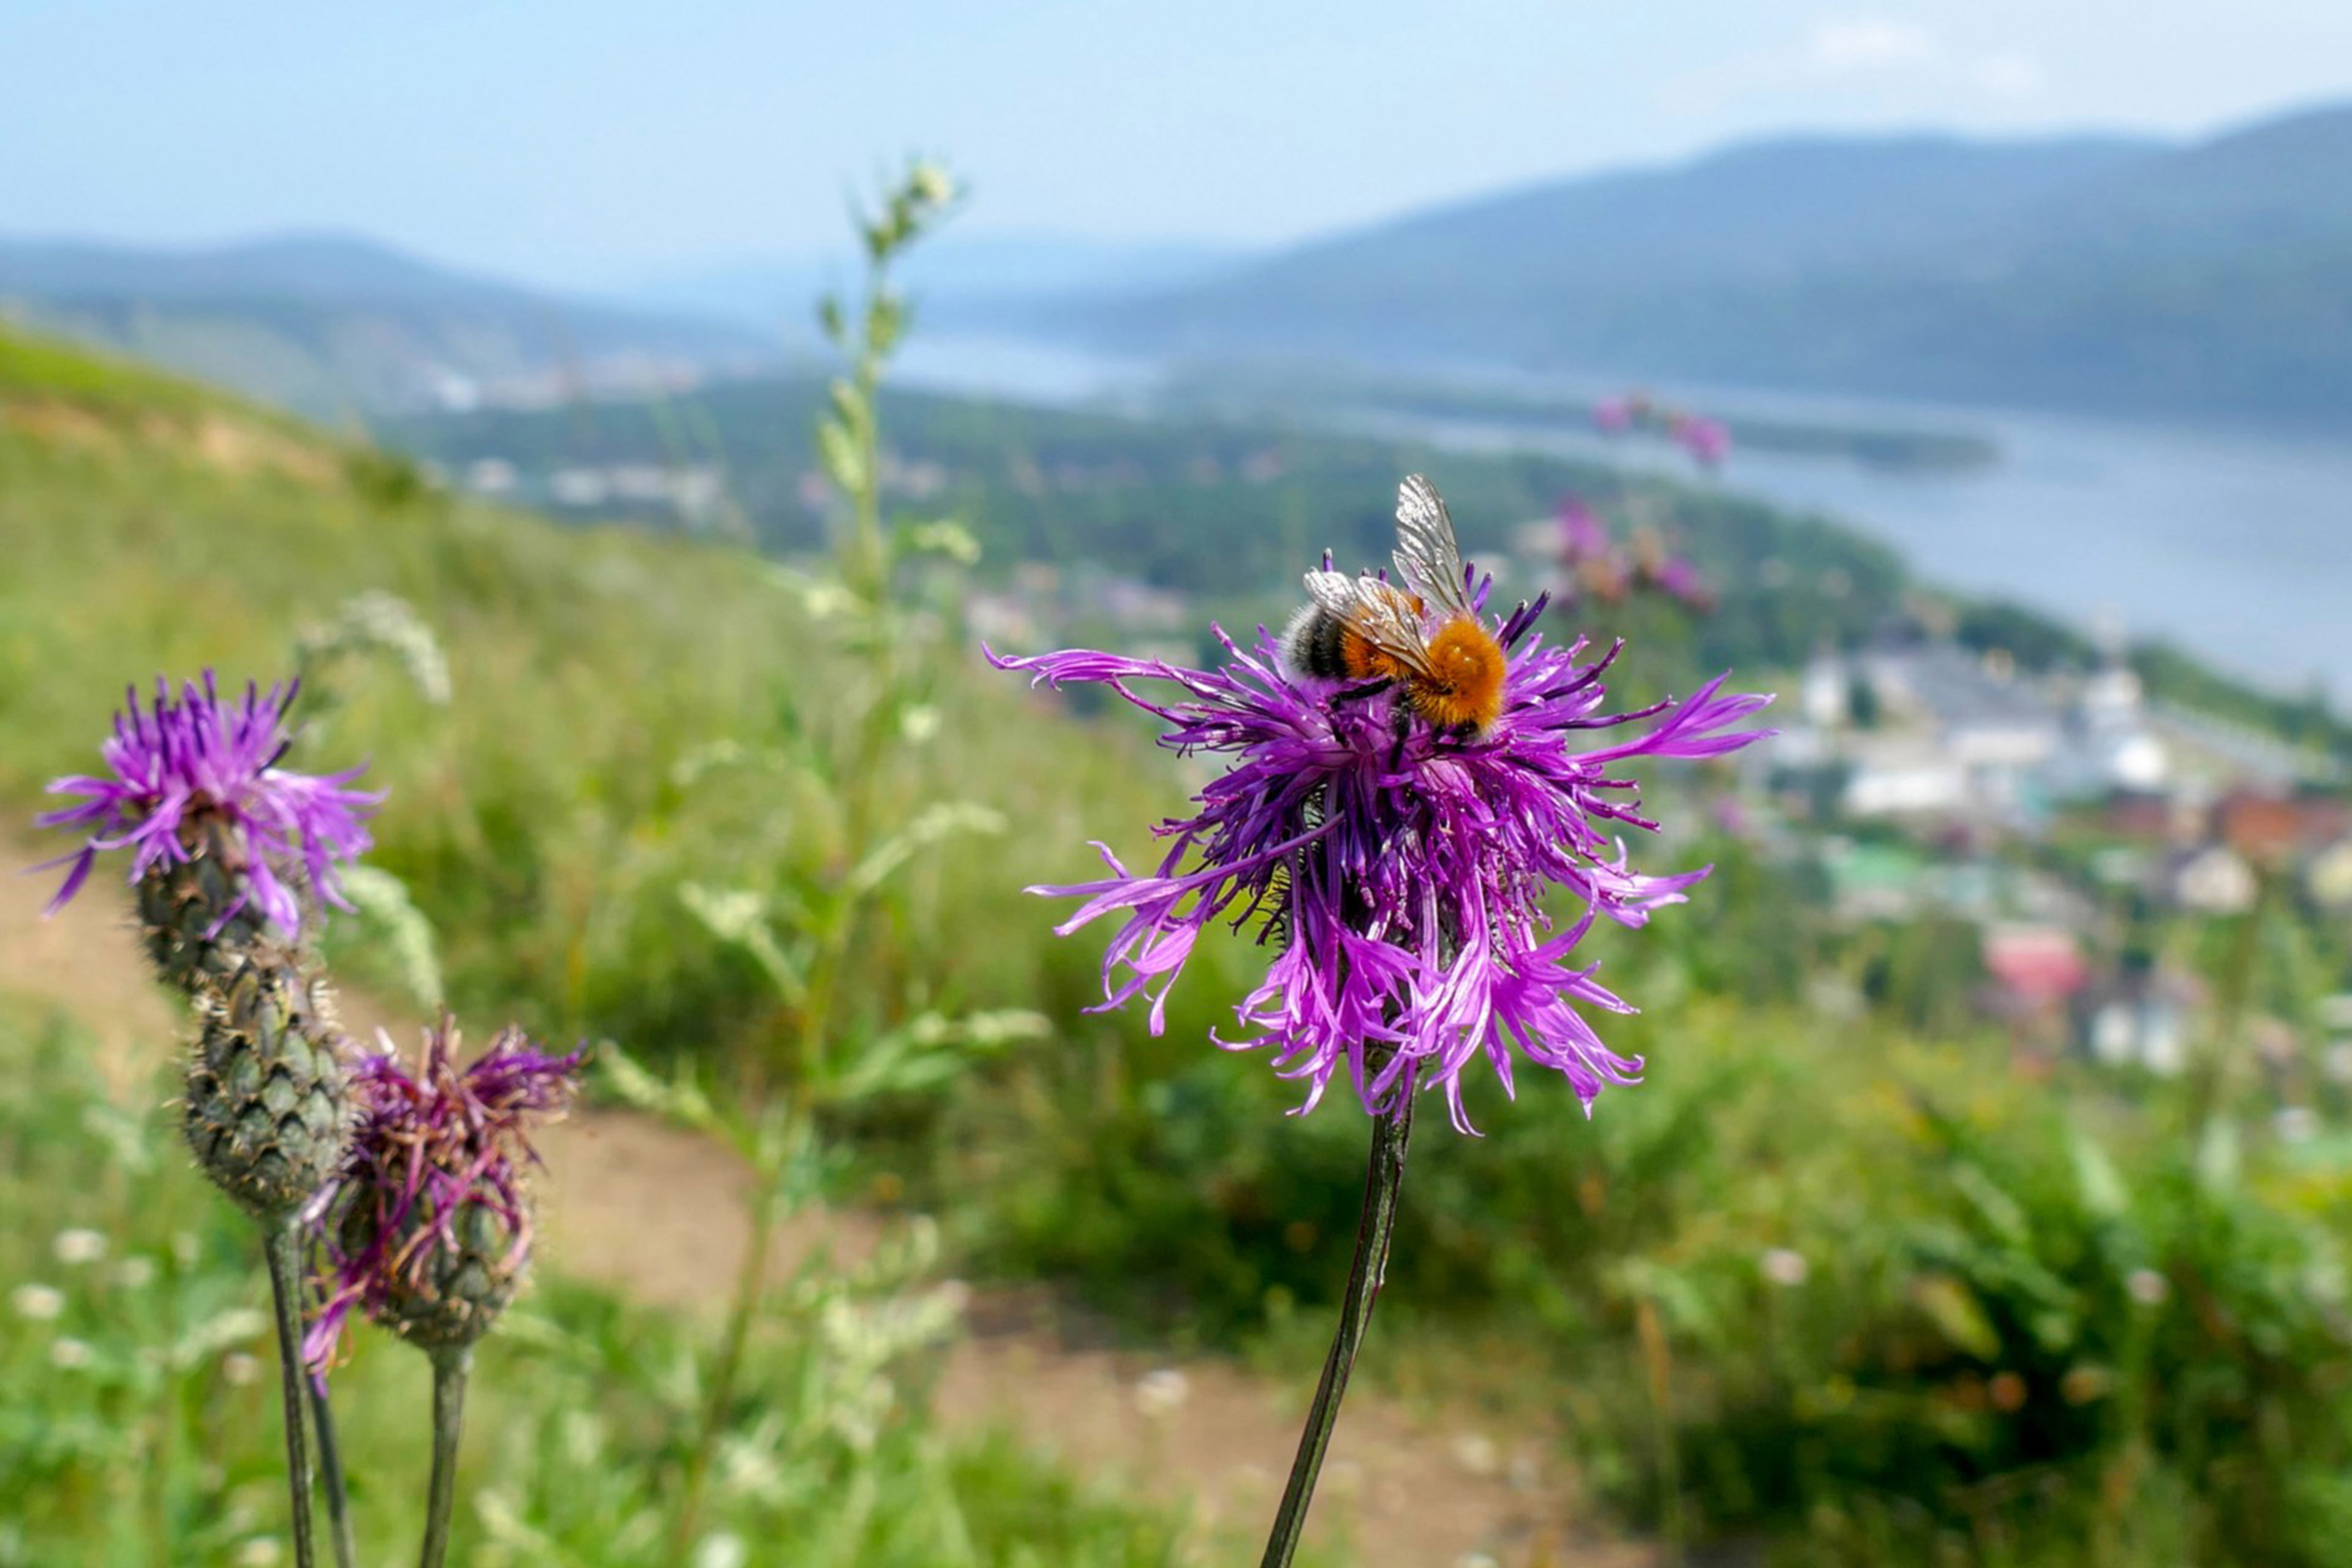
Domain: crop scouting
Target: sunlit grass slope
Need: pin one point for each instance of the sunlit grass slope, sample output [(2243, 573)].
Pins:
[(630, 714)]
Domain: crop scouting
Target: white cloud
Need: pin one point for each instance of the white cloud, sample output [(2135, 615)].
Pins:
[(1870, 43), (2010, 76)]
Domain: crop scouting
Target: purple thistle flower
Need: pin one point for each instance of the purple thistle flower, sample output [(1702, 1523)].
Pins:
[(199, 771), (1402, 867), (1677, 577), (427, 1228), (1708, 441), (1582, 535)]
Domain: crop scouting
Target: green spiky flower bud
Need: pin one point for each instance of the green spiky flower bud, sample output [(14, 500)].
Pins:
[(266, 1103), (181, 921)]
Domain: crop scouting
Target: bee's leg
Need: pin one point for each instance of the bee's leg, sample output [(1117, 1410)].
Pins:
[(1404, 717)]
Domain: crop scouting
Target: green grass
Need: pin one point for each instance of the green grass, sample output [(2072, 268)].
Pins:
[(541, 821), (141, 1422), (1604, 1275)]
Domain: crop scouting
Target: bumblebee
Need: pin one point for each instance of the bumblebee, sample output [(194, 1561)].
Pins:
[(1420, 632)]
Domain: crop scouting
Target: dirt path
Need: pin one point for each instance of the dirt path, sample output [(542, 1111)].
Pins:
[(660, 1215)]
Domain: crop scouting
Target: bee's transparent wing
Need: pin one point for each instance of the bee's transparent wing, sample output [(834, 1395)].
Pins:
[(1426, 554), (1335, 591), (1376, 612)]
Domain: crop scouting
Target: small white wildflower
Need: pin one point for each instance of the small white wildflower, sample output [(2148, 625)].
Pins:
[(68, 1353), (723, 1550), (2295, 1124), (39, 1303), (1476, 1454), (78, 1246), (932, 185), (1784, 1266), (261, 1552), (239, 1369), (2147, 1287), (135, 1273), (228, 1331), (1161, 1391), (918, 724)]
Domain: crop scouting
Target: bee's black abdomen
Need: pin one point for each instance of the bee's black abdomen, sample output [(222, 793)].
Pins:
[(1315, 643)]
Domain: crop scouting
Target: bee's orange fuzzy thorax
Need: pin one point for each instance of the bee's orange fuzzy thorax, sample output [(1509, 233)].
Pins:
[(1469, 665), (1363, 661)]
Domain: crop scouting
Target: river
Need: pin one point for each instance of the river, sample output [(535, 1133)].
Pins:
[(2235, 544)]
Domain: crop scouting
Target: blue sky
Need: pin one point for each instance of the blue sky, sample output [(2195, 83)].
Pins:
[(587, 141)]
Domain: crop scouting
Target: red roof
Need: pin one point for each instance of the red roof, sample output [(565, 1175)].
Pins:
[(2037, 962)]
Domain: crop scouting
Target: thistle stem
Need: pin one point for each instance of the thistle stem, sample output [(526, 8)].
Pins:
[(282, 1248), (1383, 1180), (330, 1473), (449, 1370)]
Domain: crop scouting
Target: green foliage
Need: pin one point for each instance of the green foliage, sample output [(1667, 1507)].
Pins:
[(624, 719), (139, 1425), (2026, 1324), (675, 789)]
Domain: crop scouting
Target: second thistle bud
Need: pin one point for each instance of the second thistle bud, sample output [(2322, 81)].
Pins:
[(266, 1103), (430, 1230), (462, 1278)]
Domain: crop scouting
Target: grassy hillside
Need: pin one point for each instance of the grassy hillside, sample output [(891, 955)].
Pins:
[(544, 817), (629, 715), (335, 326)]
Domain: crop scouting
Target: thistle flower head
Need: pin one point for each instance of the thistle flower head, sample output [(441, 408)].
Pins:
[(1403, 868), (196, 777), (1676, 577), (1582, 535), (1708, 441), (427, 1228)]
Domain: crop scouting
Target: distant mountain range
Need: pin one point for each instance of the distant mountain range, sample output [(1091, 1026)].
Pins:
[(2106, 273), (335, 326), (955, 277)]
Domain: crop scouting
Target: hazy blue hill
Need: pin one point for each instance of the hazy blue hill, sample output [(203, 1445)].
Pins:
[(2096, 273), (1755, 213), (950, 278), (331, 325), (2285, 183)]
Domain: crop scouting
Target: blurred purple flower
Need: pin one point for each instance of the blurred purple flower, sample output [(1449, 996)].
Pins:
[(1401, 870), (1582, 535), (199, 767), (1677, 577), (1708, 441), (430, 1179), (1613, 416)]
